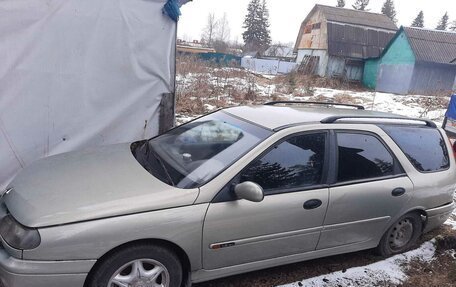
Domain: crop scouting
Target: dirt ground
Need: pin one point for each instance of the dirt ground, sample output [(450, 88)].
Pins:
[(438, 273)]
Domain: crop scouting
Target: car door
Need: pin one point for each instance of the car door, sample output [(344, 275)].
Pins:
[(288, 221), (370, 189)]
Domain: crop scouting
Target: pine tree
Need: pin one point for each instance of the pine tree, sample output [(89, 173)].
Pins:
[(251, 34), (361, 5), (443, 23), (265, 25), (419, 20), (453, 26), (389, 10), (257, 36), (341, 3)]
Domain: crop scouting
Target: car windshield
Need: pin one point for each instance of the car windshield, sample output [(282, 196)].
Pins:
[(192, 154)]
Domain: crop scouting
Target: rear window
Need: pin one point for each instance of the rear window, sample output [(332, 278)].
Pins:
[(424, 147)]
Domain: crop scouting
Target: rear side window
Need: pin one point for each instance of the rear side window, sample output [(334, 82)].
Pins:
[(424, 147), (361, 157)]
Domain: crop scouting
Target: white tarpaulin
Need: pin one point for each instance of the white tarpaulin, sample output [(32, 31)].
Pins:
[(80, 73)]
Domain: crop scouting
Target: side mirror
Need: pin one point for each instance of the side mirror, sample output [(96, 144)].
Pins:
[(249, 191)]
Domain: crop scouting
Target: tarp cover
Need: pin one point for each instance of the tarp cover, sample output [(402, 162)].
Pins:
[(451, 111), (80, 73), (449, 124)]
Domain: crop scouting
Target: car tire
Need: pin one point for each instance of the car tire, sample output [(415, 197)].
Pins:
[(401, 236), (153, 264)]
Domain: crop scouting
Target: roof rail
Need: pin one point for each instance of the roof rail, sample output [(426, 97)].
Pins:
[(313, 103), (334, 119)]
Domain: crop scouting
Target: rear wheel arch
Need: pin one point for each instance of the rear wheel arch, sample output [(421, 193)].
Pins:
[(415, 219), (179, 252), (420, 211)]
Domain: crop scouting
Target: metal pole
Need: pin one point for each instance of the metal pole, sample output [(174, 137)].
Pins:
[(445, 120)]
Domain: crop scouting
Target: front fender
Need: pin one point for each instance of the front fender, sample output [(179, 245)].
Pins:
[(92, 239)]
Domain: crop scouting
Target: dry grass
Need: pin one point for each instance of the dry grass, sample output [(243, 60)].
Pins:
[(186, 64), (212, 85), (296, 79), (430, 102), (319, 98), (222, 87), (345, 99), (203, 83), (441, 272)]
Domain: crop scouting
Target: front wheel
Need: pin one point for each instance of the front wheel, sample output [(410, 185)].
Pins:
[(401, 236), (138, 265)]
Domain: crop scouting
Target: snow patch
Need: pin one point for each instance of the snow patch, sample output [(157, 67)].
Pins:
[(209, 107), (270, 77), (389, 270), (452, 220), (182, 119)]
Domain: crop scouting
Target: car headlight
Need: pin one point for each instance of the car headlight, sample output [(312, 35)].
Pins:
[(17, 235)]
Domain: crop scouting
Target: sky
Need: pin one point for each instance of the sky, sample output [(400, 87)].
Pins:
[(286, 15)]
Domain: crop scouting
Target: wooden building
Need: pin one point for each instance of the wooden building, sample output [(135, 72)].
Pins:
[(335, 42)]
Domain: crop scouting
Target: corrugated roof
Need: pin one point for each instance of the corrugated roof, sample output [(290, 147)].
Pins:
[(432, 45), (349, 16), (356, 42), (356, 17)]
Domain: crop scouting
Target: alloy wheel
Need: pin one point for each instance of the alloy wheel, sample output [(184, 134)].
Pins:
[(141, 273)]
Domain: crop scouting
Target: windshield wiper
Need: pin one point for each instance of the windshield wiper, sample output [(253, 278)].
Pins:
[(150, 150)]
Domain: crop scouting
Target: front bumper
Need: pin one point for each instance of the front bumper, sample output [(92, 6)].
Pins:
[(437, 216), (23, 273)]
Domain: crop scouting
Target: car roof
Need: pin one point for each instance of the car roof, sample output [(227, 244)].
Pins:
[(274, 117)]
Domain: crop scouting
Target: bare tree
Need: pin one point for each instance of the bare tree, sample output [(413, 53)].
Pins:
[(210, 29), (223, 29), (274, 50), (279, 50)]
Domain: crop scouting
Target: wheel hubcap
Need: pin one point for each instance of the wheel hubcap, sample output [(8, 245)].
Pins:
[(141, 273), (401, 234)]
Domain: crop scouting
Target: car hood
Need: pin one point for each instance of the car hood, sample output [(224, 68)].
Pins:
[(86, 185)]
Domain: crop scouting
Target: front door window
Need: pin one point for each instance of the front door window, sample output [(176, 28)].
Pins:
[(293, 164)]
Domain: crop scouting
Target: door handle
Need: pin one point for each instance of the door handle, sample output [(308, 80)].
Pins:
[(312, 204), (398, 191)]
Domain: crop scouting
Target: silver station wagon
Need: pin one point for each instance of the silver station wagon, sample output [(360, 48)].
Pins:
[(238, 190)]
